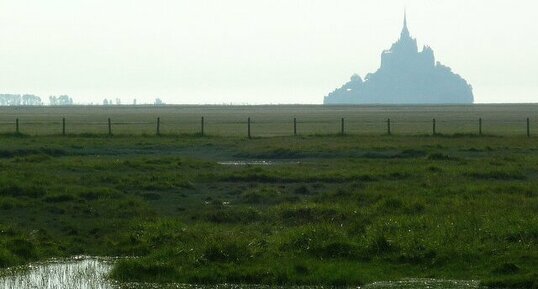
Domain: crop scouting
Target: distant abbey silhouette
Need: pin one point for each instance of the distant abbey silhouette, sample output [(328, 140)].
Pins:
[(406, 76)]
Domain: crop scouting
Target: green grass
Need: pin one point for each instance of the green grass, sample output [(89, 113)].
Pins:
[(328, 211)]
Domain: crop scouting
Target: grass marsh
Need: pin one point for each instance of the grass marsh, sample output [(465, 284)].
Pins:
[(306, 210)]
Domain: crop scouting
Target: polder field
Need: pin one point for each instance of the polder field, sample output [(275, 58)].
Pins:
[(318, 208), (270, 121)]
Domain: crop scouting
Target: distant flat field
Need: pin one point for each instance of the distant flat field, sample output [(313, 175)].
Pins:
[(277, 120)]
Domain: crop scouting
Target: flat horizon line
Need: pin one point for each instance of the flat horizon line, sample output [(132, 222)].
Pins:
[(273, 104)]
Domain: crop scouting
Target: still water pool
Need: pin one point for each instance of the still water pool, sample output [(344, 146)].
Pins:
[(91, 273)]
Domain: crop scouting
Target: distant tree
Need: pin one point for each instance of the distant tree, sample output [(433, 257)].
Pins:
[(10, 99), (16, 99), (134, 101), (158, 101), (118, 101), (60, 100), (65, 100), (105, 101), (29, 99)]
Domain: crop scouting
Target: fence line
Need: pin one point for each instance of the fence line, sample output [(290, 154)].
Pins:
[(249, 136), (295, 126), (202, 126), (250, 122)]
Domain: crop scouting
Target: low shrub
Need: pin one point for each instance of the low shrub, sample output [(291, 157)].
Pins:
[(17, 190), (497, 175), (58, 198), (227, 251), (22, 248), (140, 270), (506, 268)]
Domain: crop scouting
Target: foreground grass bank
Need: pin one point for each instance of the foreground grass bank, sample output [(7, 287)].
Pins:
[(286, 210)]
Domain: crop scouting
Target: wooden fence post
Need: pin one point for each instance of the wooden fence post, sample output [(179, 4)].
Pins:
[(434, 127), (342, 127), (158, 126), (109, 127), (480, 126), (202, 126), (17, 126), (63, 126), (528, 127), (295, 126), (388, 127), (249, 128)]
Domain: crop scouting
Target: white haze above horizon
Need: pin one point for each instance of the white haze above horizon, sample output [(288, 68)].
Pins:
[(254, 51)]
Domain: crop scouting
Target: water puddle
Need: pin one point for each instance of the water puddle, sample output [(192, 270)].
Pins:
[(79, 272), (257, 163), (425, 284), (91, 273)]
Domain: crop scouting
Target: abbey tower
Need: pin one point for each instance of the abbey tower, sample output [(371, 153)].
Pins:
[(406, 76)]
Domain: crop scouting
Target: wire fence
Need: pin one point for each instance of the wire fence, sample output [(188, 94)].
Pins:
[(264, 127)]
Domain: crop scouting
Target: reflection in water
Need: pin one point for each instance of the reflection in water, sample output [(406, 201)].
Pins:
[(82, 273), (91, 273), (245, 163), (424, 283), (258, 163)]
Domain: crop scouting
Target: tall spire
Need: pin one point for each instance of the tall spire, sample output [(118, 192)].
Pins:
[(405, 31), (405, 18)]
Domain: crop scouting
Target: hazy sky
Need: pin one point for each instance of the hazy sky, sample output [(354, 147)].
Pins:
[(255, 51)]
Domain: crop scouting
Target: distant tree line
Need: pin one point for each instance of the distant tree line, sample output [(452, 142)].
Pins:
[(110, 102), (30, 99), (157, 102), (17, 99)]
